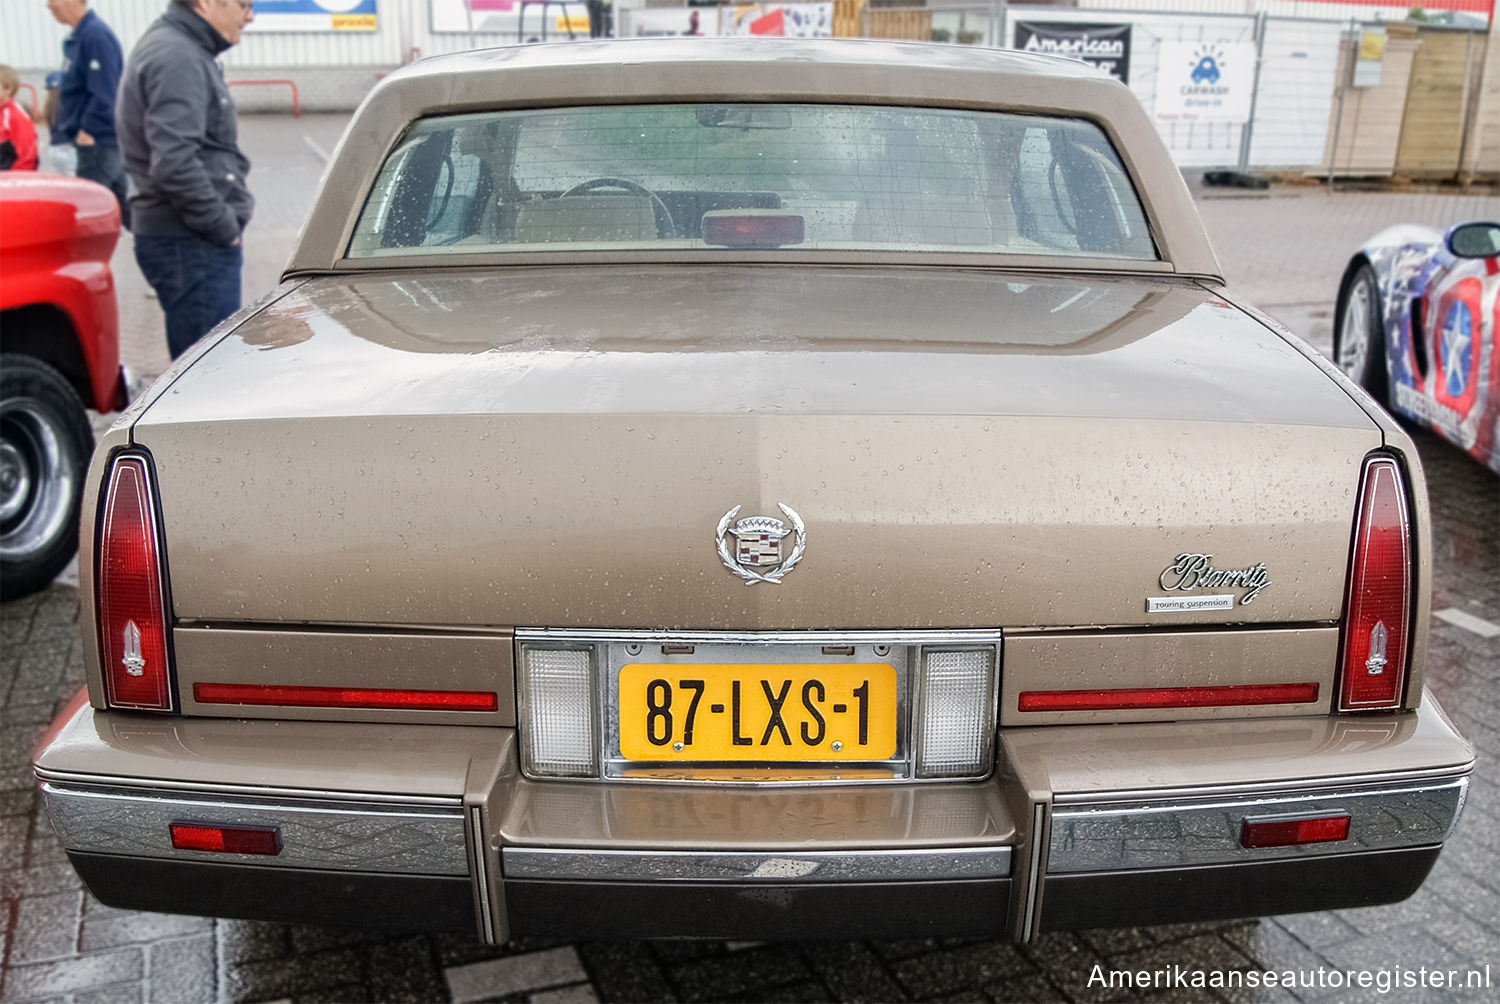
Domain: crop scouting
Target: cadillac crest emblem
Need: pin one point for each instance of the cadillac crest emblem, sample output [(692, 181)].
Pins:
[(758, 553)]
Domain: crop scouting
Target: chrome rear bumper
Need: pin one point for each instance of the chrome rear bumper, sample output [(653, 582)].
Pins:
[(433, 826)]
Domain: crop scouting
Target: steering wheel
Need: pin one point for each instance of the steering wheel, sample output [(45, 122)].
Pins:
[(665, 225)]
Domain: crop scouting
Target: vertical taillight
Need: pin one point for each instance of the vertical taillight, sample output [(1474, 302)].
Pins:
[(130, 593), (1377, 605)]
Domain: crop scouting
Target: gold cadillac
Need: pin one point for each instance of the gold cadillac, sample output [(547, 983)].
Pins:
[(743, 488)]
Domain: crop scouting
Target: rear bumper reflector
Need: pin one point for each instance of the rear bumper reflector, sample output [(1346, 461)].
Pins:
[(345, 697), (1289, 832), (1167, 697), (226, 839)]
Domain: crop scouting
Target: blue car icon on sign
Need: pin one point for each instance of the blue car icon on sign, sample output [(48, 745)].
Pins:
[(1206, 72)]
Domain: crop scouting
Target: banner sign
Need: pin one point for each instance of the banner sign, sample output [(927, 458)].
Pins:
[(660, 22), (505, 17), (1205, 81), (313, 15), (1371, 53), (1105, 46), (794, 20)]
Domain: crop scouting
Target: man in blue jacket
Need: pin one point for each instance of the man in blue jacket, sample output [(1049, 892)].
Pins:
[(86, 96), (180, 139)]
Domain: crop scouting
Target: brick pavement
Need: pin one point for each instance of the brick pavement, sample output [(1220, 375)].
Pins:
[(58, 944)]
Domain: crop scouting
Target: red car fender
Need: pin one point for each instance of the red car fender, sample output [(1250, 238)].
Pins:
[(55, 248)]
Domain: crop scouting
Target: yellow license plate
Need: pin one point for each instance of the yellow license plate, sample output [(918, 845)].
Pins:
[(757, 713)]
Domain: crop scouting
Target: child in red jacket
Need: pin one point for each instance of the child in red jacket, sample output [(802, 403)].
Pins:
[(17, 134)]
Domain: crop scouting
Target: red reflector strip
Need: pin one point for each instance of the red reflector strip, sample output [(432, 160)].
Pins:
[(1285, 832), (1168, 697), (345, 697), (226, 839)]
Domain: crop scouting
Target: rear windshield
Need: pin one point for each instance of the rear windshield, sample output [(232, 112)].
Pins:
[(753, 176)]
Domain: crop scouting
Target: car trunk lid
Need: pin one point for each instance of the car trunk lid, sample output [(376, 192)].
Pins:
[(557, 447)]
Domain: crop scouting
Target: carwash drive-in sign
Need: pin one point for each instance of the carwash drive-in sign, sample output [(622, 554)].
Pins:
[(1106, 46), (1205, 81)]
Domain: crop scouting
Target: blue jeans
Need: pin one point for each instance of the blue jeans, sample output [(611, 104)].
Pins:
[(101, 163), (197, 282)]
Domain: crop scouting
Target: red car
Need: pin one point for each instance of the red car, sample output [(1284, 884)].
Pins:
[(59, 336)]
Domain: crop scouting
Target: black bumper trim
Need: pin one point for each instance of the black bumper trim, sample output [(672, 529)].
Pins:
[(286, 895), (764, 911), (1225, 892)]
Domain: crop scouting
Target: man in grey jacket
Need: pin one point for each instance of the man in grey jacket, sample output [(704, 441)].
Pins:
[(179, 138)]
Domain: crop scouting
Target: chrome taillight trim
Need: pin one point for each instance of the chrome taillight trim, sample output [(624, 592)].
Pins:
[(1372, 463)]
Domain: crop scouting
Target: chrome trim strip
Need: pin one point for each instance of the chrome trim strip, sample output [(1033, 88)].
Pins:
[(1438, 774), (1130, 630), (1029, 919), (245, 790), (479, 870), (324, 833), (941, 637), (1169, 833), (768, 867)]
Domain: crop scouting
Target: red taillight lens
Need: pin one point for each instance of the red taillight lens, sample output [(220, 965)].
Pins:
[(226, 839), (1286, 832), (1377, 606), (132, 604)]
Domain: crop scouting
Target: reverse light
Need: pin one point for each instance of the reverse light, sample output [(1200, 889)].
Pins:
[(1377, 605), (226, 839), (1285, 832), (956, 713), (130, 592), (557, 705)]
